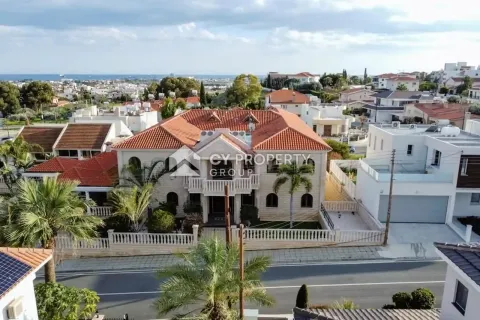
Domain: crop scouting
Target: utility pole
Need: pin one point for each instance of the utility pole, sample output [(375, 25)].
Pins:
[(242, 276), (389, 208), (228, 238)]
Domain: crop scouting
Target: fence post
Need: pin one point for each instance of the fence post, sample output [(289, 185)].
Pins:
[(89, 211), (110, 237), (195, 234)]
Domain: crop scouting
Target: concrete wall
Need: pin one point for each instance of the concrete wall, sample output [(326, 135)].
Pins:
[(449, 312), (23, 289), (463, 206)]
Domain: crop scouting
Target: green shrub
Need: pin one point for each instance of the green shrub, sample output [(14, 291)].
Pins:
[(302, 297), (161, 222), (402, 300), (192, 207), (118, 223), (192, 219), (388, 306), (249, 213), (423, 298), (167, 206)]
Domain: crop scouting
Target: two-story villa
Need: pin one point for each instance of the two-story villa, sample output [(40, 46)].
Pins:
[(250, 144), (436, 173)]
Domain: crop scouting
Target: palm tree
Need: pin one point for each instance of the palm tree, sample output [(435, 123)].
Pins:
[(40, 211), (132, 203), (209, 276), (133, 175), (15, 158), (297, 176)]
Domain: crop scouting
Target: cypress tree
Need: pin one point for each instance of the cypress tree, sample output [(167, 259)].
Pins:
[(302, 297), (203, 95)]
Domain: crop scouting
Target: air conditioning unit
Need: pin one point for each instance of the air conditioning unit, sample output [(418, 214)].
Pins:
[(412, 126), (15, 309), (396, 124)]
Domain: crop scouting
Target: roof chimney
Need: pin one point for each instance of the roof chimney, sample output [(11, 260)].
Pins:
[(108, 146), (293, 96)]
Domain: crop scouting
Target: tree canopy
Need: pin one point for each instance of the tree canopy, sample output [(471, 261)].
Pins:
[(168, 109), (9, 98), (246, 89), (58, 302), (402, 87), (181, 86), (427, 86), (203, 95), (35, 94)]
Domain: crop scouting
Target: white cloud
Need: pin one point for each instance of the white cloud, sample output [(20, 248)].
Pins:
[(186, 27)]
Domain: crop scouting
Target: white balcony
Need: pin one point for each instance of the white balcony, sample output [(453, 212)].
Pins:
[(217, 187), (101, 212), (381, 173)]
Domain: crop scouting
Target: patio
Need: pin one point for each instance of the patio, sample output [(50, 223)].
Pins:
[(347, 221)]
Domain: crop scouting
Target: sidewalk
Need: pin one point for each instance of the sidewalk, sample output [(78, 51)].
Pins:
[(416, 251)]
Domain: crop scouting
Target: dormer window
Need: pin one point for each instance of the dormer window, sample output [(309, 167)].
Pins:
[(250, 118)]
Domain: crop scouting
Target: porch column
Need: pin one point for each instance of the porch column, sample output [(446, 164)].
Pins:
[(450, 208), (87, 195), (203, 168), (238, 205), (205, 207)]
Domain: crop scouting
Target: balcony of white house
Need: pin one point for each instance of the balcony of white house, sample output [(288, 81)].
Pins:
[(382, 173), (215, 187)]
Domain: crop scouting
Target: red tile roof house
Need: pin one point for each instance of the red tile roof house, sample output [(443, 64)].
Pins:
[(95, 176), (290, 100), (233, 134), (74, 140), (18, 267), (431, 112)]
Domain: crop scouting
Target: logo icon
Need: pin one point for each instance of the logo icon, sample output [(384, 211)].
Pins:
[(184, 163)]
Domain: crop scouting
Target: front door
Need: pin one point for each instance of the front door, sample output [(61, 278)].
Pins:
[(216, 215), (327, 130)]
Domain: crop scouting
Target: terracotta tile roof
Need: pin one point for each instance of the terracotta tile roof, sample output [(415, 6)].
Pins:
[(192, 100), (57, 164), (387, 75), (99, 171), (274, 130), (83, 136), (287, 96), (368, 314), (43, 136), (353, 90), (453, 111), (304, 74), (18, 263)]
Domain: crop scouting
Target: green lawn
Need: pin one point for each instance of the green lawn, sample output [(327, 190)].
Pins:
[(286, 225)]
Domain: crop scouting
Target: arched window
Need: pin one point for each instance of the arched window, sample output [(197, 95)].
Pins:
[(307, 201), (272, 200), (135, 163), (172, 197), (310, 162)]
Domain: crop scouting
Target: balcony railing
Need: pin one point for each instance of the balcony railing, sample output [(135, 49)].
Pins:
[(217, 187), (382, 174), (101, 212)]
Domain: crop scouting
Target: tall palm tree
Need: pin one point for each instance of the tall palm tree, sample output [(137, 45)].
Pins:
[(132, 203), (297, 177), (209, 276), (40, 211)]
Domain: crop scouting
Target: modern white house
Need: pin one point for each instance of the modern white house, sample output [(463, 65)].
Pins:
[(436, 172), (391, 104), (17, 273), (127, 119), (238, 148), (454, 82), (458, 69), (474, 94), (461, 293), (327, 119)]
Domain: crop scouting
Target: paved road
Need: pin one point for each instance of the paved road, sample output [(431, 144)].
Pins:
[(370, 285)]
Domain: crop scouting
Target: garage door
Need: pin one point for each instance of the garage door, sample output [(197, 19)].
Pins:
[(427, 209)]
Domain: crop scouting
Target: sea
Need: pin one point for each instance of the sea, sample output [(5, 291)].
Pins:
[(92, 77)]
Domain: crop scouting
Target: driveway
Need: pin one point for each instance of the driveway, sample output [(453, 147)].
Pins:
[(403, 233)]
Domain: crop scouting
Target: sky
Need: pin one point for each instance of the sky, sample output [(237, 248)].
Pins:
[(236, 36)]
